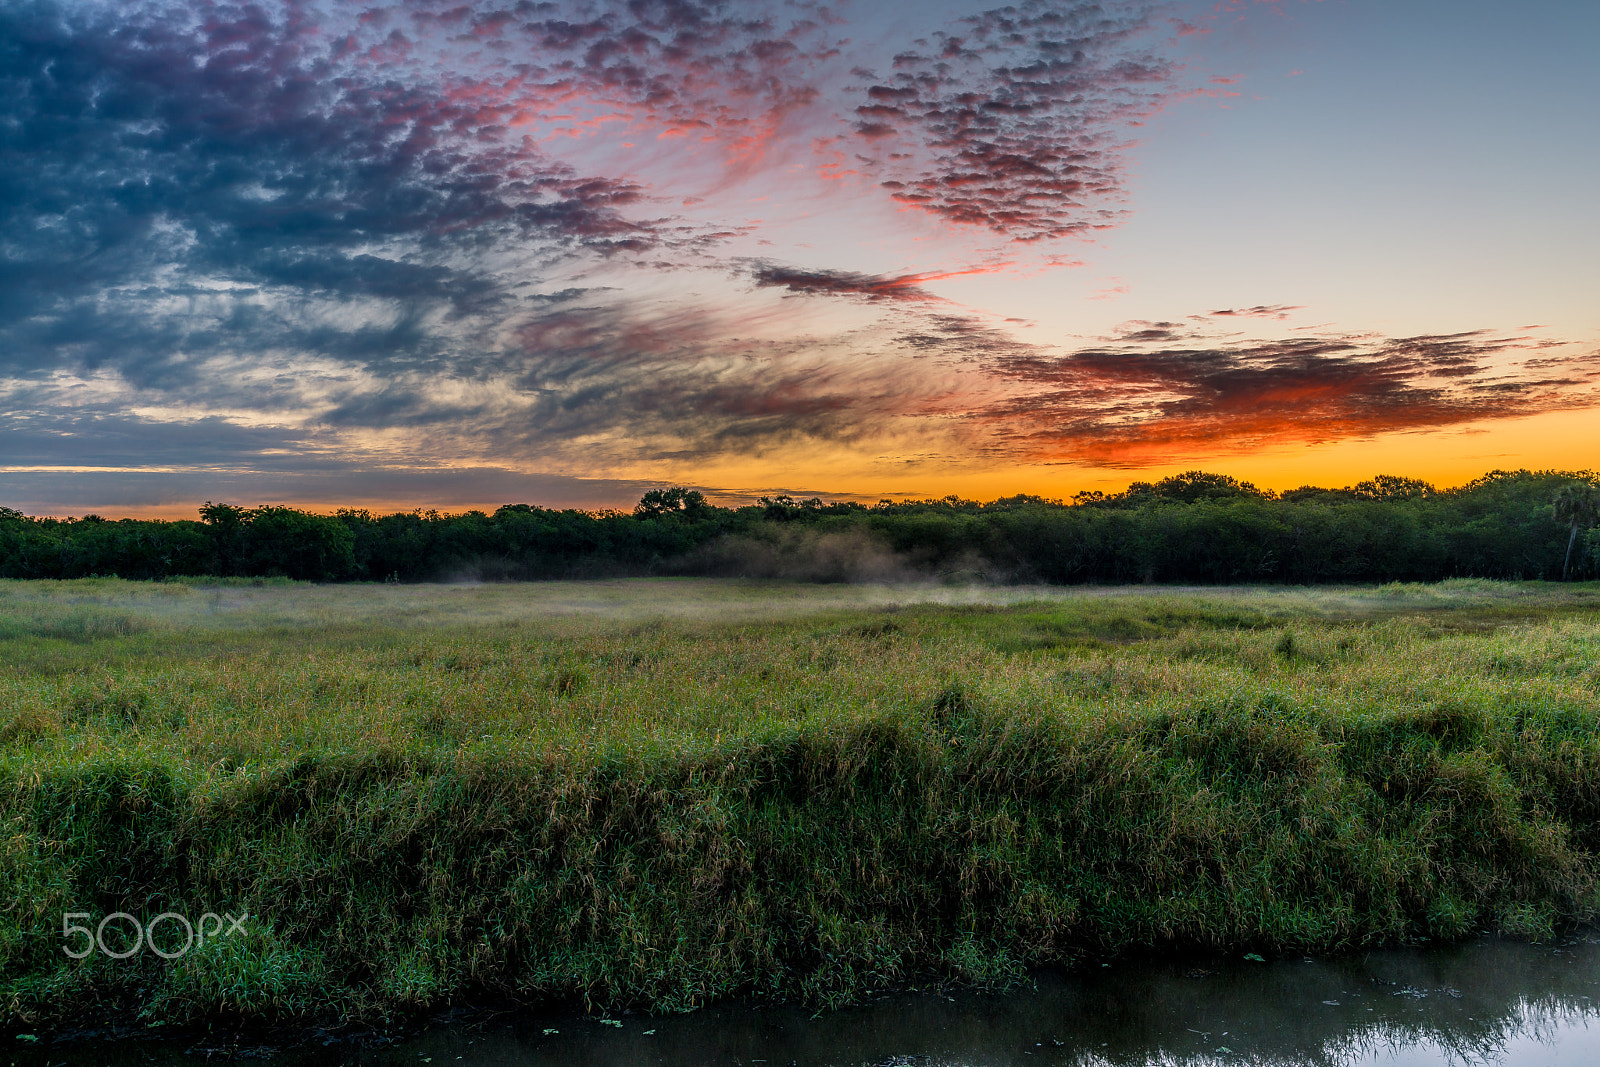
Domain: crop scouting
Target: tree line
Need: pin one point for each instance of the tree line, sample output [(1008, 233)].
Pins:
[(1194, 527)]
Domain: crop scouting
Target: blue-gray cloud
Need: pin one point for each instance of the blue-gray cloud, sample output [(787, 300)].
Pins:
[(187, 179)]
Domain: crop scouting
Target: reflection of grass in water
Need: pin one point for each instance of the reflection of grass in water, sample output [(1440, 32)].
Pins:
[(1467, 1008), (1478, 1040), (668, 791)]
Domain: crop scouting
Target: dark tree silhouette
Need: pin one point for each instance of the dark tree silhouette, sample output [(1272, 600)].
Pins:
[(1191, 527), (1392, 487), (673, 500)]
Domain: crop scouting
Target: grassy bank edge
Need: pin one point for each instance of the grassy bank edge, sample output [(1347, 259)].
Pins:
[(846, 854)]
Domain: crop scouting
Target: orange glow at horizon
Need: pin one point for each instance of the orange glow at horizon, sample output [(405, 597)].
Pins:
[(1558, 441)]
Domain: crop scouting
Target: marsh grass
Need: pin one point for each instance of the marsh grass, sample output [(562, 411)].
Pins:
[(660, 793)]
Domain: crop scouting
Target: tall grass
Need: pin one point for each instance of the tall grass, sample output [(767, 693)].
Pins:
[(634, 805)]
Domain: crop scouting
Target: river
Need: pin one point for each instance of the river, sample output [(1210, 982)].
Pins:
[(1480, 1003)]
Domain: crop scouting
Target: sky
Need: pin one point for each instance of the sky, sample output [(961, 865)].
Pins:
[(470, 252)]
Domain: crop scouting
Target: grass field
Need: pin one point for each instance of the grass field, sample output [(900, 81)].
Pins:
[(660, 792)]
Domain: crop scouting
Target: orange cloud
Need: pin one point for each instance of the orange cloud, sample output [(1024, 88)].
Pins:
[(1151, 398)]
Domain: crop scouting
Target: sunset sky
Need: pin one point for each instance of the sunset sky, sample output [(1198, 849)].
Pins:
[(455, 254)]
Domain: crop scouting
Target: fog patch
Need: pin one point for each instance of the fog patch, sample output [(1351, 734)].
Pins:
[(470, 571), (855, 556)]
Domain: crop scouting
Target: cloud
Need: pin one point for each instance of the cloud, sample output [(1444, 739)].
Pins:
[(696, 380), (1146, 401), (182, 183), (843, 283), (1014, 120), (874, 287), (110, 438), (1144, 331), (1011, 120), (176, 493), (302, 240), (698, 71), (1260, 311)]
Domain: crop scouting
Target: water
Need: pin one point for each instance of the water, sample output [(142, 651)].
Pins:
[(1486, 1002)]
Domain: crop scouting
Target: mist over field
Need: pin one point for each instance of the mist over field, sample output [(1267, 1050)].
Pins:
[(89, 610)]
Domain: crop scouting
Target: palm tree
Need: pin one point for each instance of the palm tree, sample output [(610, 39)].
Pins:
[(1577, 504)]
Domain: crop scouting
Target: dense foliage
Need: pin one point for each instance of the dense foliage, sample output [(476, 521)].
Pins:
[(1193, 527)]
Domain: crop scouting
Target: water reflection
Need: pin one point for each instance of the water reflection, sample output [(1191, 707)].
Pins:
[(1483, 1003)]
